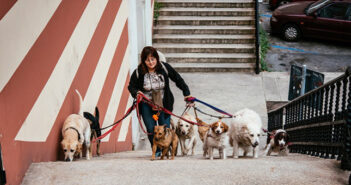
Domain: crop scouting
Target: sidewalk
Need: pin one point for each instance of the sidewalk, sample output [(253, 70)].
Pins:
[(135, 168)]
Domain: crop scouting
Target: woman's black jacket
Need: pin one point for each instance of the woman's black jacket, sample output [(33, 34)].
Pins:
[(136, 84)]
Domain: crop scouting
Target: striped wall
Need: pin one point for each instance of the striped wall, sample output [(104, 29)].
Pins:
[(49, 48)]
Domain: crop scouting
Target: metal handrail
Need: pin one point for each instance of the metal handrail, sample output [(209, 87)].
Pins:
[(347, 73)]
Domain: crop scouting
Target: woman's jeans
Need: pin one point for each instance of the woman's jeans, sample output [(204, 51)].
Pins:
[(146, 113)]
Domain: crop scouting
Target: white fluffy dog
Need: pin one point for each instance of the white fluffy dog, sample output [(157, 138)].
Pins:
[(244, 132)]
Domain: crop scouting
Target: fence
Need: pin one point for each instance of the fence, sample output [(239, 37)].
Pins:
[(319, 122)]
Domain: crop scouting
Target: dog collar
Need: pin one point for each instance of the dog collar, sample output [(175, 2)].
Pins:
[(75, 130)]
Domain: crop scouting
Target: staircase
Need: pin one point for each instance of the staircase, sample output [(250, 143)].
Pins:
[(207, 35)]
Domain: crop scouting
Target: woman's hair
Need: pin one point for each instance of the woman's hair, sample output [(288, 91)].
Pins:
[(148, 50)]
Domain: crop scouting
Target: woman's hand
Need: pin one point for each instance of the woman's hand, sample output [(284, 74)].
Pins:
[(139, 93), (189, 102)]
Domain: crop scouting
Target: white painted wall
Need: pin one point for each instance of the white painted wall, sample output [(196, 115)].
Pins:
[(140, 35)]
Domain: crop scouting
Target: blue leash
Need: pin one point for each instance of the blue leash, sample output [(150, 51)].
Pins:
[(208, 105)]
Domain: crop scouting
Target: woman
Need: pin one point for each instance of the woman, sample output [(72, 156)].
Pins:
[(150, 78)]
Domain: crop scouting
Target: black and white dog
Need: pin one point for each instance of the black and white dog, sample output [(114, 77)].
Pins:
[(277, 141), (95, 127)]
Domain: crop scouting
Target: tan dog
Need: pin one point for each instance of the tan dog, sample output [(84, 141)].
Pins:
[(186, 131), (164, 138), (75, 132), (203, 129)]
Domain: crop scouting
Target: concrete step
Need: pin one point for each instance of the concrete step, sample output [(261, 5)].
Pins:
[(203, 39), (210, 20), (210, 57), (208, 3), (179, 29), (213, 67), (207, 11), (205, 48)]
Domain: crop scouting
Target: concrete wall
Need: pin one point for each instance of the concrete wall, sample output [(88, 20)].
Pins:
[(49, 48)]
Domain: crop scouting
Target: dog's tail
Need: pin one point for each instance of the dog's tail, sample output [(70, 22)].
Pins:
[(80, 103)]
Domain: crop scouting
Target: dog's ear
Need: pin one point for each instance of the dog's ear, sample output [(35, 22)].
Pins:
[(225, 127), (244, 129), (89, 116), (213, 125), (97, 115)]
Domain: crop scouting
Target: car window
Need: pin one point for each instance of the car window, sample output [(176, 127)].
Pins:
[(349, 12), (316, 5), (334, 11)]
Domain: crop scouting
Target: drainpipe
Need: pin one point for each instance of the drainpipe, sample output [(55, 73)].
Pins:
[(133, 48), (257, 42), (148, 23)]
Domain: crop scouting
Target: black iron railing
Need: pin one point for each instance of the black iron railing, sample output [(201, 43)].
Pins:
[(319, 122)]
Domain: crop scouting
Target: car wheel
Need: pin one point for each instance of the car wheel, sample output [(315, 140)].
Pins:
[(291, 32)]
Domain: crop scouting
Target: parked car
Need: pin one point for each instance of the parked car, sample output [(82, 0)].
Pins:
[(323, 19), (273, 4)]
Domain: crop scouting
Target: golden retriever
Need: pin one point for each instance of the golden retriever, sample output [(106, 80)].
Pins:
[(75, 132)]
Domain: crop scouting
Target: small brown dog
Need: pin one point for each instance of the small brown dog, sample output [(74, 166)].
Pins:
[(203, 129), (164, 138)]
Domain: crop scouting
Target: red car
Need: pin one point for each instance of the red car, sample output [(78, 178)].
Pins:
[(273, 4), (324, 19)]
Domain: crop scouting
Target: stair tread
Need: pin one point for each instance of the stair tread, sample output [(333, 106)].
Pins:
[(209, 55), (201, 36), (207, 9), (212, 65), (167, 45), (182, 27), (198, 18)]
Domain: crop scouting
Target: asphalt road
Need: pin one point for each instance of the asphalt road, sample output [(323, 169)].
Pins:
[(318, 55)]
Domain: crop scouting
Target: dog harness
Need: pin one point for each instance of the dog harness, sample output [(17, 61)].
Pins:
[(75, 130)]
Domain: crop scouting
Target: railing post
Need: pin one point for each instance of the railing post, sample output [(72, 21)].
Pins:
[(346, 158), (257, 41)]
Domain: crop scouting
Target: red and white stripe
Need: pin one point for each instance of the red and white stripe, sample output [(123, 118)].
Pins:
[(49, 48)]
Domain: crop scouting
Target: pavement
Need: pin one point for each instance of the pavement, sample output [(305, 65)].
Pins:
[(227, 91), (318, 55)]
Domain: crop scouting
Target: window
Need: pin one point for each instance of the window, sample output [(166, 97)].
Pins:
[(334, 11)]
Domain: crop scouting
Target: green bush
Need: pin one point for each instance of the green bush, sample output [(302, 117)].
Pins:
[(264, 46), (157, 7)]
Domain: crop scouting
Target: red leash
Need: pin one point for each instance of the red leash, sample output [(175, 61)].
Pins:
[(148, 101), (141, 97), (131, 108)]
